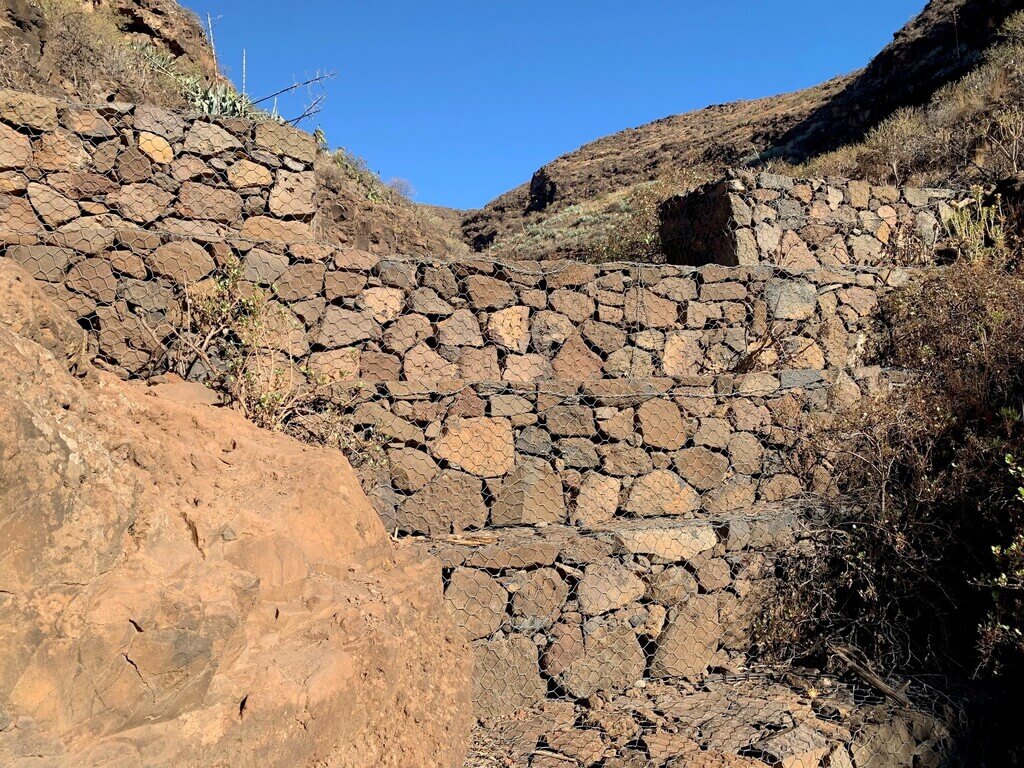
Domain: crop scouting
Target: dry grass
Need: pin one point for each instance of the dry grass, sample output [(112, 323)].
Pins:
[(94, 60), (618, 226), (971, 131), (920, 565)]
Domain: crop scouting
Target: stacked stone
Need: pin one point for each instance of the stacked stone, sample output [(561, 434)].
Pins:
[(605, 606), (804, 224), (747, 721), (601, 457), (463, 457)]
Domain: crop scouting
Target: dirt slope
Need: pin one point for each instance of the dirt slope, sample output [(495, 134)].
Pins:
[(179, 588), (573, 200)]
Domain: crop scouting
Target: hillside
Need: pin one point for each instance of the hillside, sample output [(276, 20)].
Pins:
[(156, 52), (573, 205)]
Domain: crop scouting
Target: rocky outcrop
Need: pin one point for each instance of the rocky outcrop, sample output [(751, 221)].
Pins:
[(43, 41), (179, 588)]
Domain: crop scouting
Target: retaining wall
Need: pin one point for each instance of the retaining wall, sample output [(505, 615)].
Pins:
[(799, 224)]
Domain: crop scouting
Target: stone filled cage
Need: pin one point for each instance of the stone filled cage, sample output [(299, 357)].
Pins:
[(602, 459)]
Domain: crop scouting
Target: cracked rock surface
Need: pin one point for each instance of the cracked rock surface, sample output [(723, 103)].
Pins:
[(179, 588)]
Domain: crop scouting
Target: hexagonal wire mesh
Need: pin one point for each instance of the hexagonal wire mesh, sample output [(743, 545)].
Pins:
[(601, 456)]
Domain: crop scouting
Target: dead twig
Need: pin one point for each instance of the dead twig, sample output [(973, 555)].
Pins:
[(861, 667)]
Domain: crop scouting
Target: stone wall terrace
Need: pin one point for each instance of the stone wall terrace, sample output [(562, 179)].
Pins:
[(608, 606), (460, 456), (801, 224), (348, 313)]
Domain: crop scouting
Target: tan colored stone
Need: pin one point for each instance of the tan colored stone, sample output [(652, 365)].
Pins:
[(612, 660), (385, 304), (510, 328), (17, 216), (597, 500), (452, 501), (575, 306), (43, 262), (648, 310), (87, 122), (702, 468), (267, 229), (537, 598), (184, 589), (95, 278), (531, 494), (246, 173), (15, 149), (28, 110), (689, 643), (207, 139), (335, 365), (507, 677), (343, 285), (422, 364), (683, 353), (608, 586), (156, 148), (523, 369), (804, 747), (621, 460), (300, 281), (660, 493), (570, 421), (60, 151), (406, 332), (133, 166), (411, 469), (183, 261), (673, 586), (53, 208), (670, 541), (480, 446), (294, 194), (283, 139), (479, 364), (198, 201), (583, 746), (142, 203), (489, 293), (550, 329), (159, 121), (662, 425), (460, 330), (576, 362), (476, 601), (341, 327), (11, 181)]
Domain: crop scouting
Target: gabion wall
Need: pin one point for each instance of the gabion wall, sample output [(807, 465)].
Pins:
[(766, 218), (600, 458)]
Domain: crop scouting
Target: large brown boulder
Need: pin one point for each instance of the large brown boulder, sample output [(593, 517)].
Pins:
[(180, 588)]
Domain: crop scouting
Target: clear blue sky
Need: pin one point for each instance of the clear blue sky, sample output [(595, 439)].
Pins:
[(467, 99)]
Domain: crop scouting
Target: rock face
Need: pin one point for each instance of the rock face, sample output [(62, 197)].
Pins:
[(29, 29), (179, 588)]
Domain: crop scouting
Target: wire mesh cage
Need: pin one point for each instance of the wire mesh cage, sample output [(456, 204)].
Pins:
[(601, 458)]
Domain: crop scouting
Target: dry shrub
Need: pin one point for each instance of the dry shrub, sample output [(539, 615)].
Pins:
[(972, 130), (896, 147), (92, 56), (633, 232), (13, 56), (234, 336), (919, 560)]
